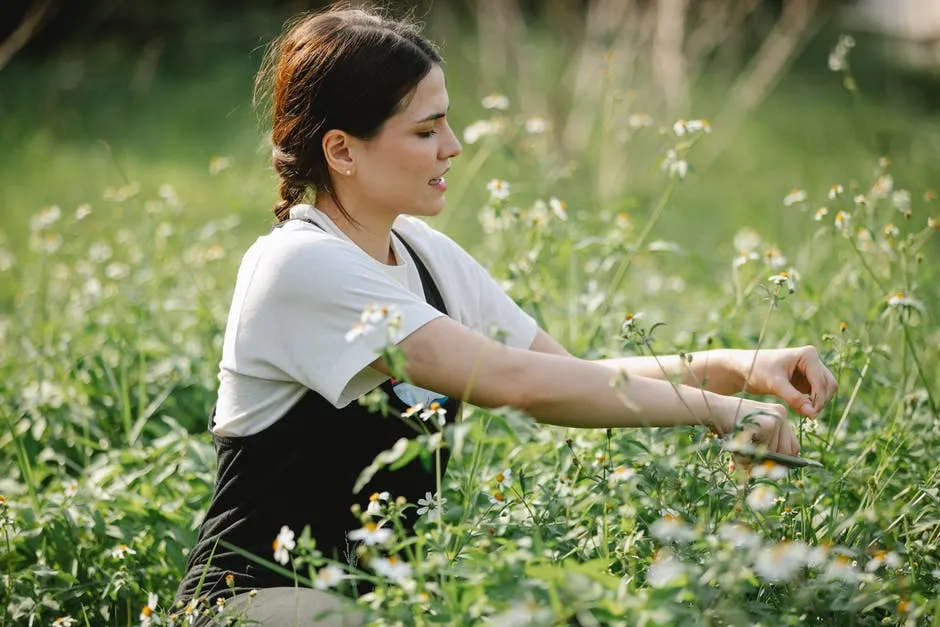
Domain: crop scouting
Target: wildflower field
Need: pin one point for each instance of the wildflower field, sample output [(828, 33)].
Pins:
[(117, 258)]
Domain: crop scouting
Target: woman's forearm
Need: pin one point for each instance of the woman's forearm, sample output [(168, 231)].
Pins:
[(712, 370), (556, 389), (591, 394)]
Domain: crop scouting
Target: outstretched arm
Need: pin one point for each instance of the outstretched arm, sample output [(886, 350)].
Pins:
[(710, 370), (449, 358), (795, 375)]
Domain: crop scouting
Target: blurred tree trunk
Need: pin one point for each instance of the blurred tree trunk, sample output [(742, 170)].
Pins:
[(30, 25), (669, 60), (765, 68)]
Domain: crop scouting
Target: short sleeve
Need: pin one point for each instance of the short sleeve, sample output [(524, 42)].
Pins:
[(472, 296), (307, 294), (499, 315)]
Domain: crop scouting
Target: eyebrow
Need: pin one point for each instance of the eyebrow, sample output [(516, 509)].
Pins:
[(433, 116)]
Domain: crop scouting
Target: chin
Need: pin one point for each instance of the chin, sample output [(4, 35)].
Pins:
[(429, 210)]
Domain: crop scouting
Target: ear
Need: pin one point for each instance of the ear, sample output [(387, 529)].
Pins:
[(337, 150)]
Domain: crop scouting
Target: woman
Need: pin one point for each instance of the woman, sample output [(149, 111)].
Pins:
[(360, 125)]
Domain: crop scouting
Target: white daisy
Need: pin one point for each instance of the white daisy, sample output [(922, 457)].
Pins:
[(499, 189), (146, 613), (496, 497), (674, 166), (559, 208), (372, 534), (629, 321), (391, 568), (761, 498), (769, 469), (283, 544), (121, 551), (664, 570), (329, 577), (496, 101), (739, 536), (621, 474), (743, 257), (639, 120), (431, 506), (903, 301), (375, 506), (795, 196), (536, 125), (503, 479), (436, 411), (842, 220), (478, 130), (672, 529), (781, 561), (842, 567), (888, 559), (783, 278)]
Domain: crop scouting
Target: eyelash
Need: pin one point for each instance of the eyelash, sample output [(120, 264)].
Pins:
[(427, 134)]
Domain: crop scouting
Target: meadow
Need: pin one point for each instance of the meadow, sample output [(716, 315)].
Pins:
[(131, 188)]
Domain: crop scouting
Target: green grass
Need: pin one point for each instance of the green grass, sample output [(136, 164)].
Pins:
[(111, 343)]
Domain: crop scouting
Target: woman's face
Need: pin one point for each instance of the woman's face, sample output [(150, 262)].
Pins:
[(402, 169)]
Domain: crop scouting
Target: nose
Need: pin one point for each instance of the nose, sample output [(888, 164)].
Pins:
[(450, 147)]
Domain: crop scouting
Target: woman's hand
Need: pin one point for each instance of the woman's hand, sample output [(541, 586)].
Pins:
[(795, 375), (759, 424)]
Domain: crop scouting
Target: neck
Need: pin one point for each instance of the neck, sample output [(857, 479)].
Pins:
[(371, 233)]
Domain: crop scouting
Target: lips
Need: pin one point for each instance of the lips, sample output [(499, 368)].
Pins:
[(439, 179)]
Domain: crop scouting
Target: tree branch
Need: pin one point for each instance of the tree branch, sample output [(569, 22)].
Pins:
[(30, 25)]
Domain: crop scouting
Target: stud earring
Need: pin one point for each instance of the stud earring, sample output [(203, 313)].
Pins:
[(348, 172)]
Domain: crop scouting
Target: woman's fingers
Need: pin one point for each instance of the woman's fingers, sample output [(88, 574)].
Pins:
[(794, 398), (822, 383), (789, 444)]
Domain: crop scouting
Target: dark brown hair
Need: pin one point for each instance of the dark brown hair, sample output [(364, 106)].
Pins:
[(344, 69)]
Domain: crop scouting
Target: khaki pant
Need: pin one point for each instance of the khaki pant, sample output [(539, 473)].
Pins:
[(287, 607)]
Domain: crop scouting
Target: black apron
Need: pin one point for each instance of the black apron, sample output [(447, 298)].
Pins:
[(300, 472)]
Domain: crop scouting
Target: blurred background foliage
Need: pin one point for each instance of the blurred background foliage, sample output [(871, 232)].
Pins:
[(96, 95)]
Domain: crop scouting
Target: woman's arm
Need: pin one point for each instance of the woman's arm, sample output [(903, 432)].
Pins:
[(796, 375), (449, 358), (712, 370)]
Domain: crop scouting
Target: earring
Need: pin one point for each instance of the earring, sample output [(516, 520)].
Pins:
[(348, 172)]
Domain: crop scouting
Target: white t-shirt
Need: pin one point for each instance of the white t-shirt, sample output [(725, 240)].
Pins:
[(300, 290)]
